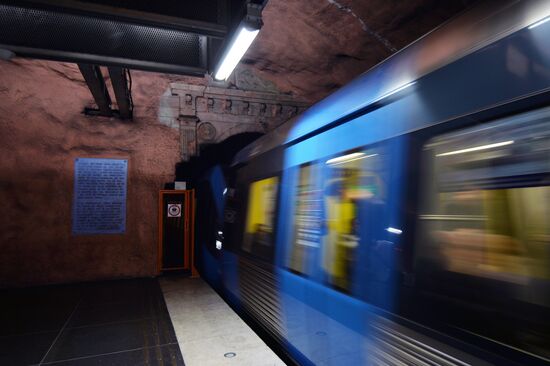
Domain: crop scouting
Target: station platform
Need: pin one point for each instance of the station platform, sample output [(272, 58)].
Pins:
[(208, 330), (133, 322)]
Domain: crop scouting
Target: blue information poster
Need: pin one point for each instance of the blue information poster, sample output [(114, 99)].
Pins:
[(99, 201)]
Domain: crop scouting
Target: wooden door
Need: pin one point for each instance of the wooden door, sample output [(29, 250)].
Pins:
[(176, 224)]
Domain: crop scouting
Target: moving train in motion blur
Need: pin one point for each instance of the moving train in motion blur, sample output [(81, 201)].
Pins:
[(404, 219)]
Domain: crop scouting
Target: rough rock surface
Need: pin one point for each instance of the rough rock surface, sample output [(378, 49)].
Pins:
[(42, 130), (310, 48)]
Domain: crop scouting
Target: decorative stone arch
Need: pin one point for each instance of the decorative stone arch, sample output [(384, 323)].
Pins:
[(238, 129)]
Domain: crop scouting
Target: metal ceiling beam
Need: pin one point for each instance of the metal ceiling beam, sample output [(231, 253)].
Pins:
[(83, 38), (96, 84), (208, 28), (162, 35), (122, 91)]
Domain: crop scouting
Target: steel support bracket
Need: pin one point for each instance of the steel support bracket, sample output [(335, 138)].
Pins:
[(96, 83), (121, 87)]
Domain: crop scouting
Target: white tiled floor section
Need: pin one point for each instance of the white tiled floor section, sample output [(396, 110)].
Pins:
[(207, 328)]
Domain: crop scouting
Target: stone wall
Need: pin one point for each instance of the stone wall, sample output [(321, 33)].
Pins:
[(42, 130), (209, 114)]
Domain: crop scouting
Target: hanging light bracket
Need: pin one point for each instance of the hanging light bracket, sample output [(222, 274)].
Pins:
[(239, 41)]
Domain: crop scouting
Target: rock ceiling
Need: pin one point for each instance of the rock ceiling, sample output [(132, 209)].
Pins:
[(310, 48)]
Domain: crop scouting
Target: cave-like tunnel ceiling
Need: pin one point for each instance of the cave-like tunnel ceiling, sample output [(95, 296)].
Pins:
[(312, 47)]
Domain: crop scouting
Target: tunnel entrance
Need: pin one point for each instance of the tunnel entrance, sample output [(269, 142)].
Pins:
[(211, 155)]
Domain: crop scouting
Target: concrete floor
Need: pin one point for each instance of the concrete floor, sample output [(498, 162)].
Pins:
[(207, 328)]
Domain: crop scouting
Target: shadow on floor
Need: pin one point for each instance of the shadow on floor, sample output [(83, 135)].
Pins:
[(123, 322)]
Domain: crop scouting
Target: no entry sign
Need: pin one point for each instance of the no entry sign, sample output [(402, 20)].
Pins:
[(174, 210)]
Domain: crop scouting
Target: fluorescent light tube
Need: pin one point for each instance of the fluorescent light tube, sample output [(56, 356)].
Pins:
[(238, 48), (477, 148)]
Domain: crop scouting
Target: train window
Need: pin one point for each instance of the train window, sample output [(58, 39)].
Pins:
[(260, 215), (485, 228), (339, 214)]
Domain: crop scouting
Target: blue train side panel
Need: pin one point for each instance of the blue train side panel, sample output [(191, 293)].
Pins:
[(482, 80), (322, 324), (220, 271), (211, 266), (514, 68)]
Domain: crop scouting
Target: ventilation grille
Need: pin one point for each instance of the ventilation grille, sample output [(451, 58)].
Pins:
[(260, 296), (65, 33)]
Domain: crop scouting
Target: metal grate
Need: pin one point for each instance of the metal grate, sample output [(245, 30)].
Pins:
[(72, 34)]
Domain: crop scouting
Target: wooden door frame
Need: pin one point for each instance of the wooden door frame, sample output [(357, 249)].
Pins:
[(189, 209)]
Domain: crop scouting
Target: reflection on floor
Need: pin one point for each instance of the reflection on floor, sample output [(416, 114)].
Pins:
[(103, 323), (208, 330)]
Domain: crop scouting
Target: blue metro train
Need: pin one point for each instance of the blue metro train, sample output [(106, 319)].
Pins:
[(405, 219)]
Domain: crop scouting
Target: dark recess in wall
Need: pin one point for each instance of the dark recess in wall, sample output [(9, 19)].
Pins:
[(210, 156)]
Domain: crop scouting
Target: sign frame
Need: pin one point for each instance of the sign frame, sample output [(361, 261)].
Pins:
[(91, 193)]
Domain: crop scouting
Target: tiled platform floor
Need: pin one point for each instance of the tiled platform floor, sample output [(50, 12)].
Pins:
[(207, 328), (103, 323)]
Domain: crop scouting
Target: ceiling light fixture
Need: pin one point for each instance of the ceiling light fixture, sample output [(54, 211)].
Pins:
[(239, 43)]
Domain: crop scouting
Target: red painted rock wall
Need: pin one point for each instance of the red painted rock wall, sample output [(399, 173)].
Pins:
[(42, 130), (311, 48)]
